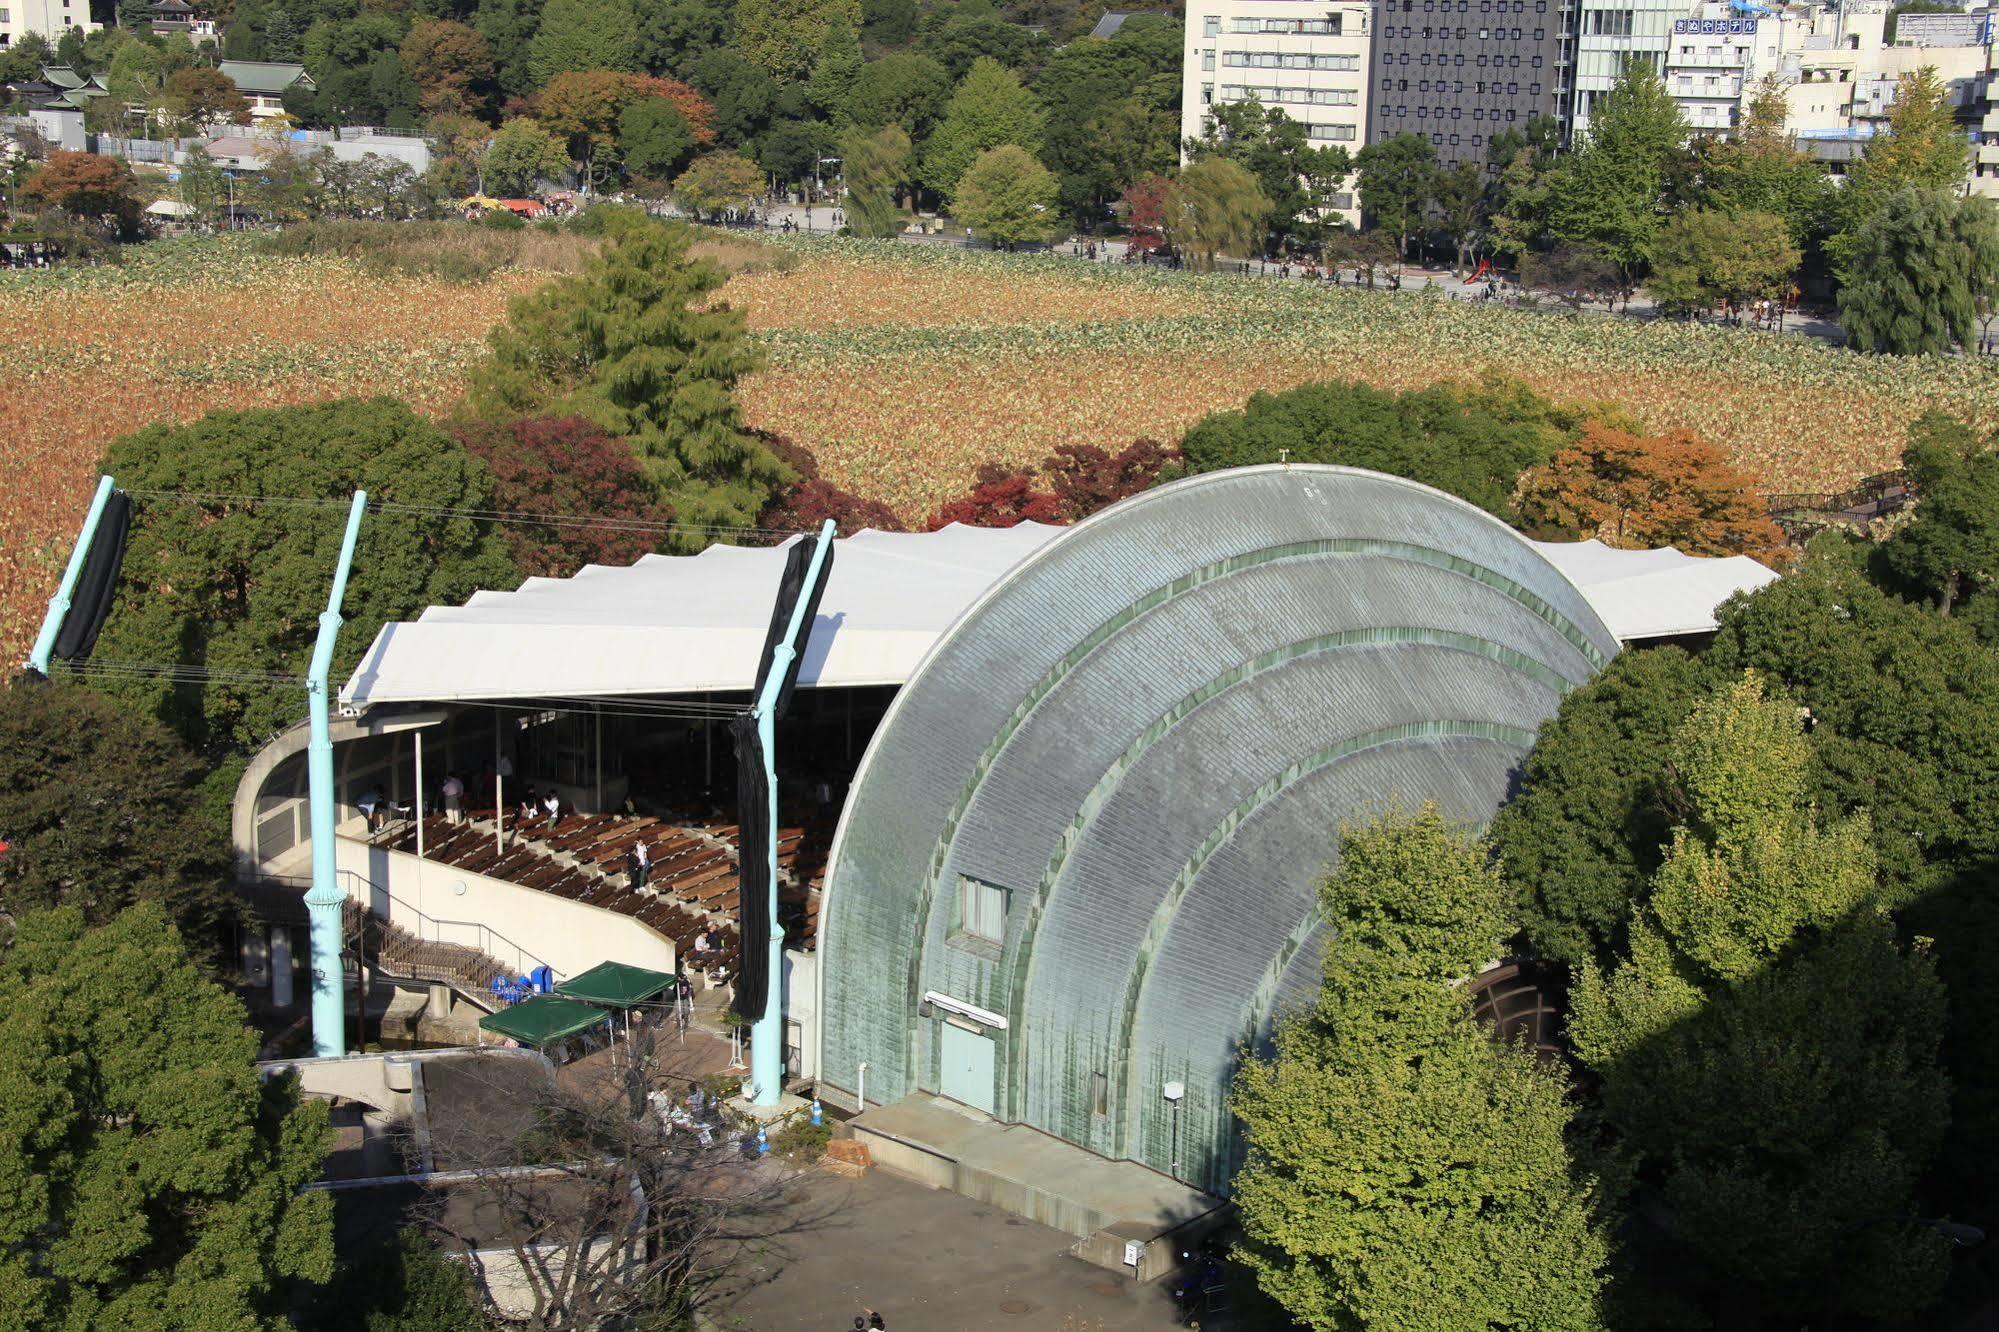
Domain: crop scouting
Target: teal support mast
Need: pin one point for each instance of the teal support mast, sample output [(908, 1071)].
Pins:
[(767, 1033), (324, 900), (45, 641)]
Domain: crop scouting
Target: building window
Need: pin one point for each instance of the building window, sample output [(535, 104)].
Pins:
[(981, 909), (1211, 26), (1609, 23), (1242, 25), (1207, 60)]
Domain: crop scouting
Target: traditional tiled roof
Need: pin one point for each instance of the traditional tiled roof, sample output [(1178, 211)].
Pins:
[(264, 76)]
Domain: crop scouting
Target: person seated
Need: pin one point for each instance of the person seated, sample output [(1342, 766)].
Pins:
[(528, 807), (704, 949)]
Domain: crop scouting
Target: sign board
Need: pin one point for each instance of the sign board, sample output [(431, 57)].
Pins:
[(1133, 1251), (1747, 26)]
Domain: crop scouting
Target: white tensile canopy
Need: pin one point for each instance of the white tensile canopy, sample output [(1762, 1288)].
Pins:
[(696, 623), (1660, 593), (676, 624)]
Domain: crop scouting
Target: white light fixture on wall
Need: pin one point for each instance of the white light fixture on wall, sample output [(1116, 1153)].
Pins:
[(1174, 1092)]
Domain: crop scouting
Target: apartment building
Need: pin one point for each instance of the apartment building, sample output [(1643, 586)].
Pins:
[(18, 18), (1308, 57), (1609, 34), (1462, 71)]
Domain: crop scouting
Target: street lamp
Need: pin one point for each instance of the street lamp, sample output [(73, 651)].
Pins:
[(1174, 1092)]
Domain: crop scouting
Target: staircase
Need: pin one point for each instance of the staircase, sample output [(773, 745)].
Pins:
[(402, 956)]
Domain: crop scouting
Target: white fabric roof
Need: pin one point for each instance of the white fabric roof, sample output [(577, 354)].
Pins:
[(683, 624), (1653, 593), (676, 624)]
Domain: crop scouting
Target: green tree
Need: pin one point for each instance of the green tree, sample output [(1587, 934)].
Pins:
[(1214, 207), (1766, 1050), (901, 89), (675, 34), (1760, 169), (786, 37), (234, 585), (151, 1171), (1294, 176), (1703, 257), (1612, 192), (1113, 112), (634, 344), (1586, 829), (1951, 550), (1460, 196), (1917, 271), (1007, 197), (718, 182), (1395, 177), (396, 1281), (836, 72), (655, 138), (1405, 1171), (988, 109), (521, 153), (451, 65), (1473, 441), (508, 27), (95, 807), (582, 35), (875, 165)]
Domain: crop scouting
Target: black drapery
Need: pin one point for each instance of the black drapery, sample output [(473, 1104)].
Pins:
[(90, 600), (753, 793)]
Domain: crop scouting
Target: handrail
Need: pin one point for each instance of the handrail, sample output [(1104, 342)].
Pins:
[(352, 877)]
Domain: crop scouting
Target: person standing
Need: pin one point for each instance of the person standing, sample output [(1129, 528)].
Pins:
[(454, 798), (641, 864)]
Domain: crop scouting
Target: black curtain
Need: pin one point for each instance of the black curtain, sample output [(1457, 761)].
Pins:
[(753, 794), (90, 602)]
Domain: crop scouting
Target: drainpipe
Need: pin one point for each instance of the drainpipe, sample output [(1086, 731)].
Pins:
[(324, 901), (45, 641), (767, 1035)]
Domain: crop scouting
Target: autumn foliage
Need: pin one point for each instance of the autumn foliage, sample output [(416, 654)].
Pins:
[(567, 465), (1143, 208), (1643, 491), (811, 499), (999, 499), (1085, 478)]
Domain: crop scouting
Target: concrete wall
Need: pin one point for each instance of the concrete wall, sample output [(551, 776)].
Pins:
[(518, 927)]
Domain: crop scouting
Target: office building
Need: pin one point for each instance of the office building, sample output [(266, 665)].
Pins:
[(1462, 71)]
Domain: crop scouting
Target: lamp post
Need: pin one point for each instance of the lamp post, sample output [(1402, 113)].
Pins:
[(1174, 1093)]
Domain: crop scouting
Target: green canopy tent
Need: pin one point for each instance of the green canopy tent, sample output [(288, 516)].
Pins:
[(616, 985), (543, 1019)]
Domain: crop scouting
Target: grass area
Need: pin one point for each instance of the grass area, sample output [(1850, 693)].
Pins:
[(904, 367)]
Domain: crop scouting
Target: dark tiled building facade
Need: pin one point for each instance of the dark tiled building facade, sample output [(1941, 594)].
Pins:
[(1461, 71)]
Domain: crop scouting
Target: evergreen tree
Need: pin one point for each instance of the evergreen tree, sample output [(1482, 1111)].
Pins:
[(151, 1171), (989, 108), (582, 35), (1917, 271), (634, 344), (836, 72), (1952, 547), (1395, 179), (1405, 1172), (1704, 257), (1760, 169), (1007, 197), (1767, 1051), (787, 37)]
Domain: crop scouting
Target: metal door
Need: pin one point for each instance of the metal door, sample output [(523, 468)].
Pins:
[(967, 1066)]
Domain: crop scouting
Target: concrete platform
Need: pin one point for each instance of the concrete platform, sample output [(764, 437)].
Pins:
[(1106, 1204)]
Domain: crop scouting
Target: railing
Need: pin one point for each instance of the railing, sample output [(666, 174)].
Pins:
[(420, 925)]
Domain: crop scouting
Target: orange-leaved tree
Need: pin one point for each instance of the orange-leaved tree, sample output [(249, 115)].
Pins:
[(1639, 491)]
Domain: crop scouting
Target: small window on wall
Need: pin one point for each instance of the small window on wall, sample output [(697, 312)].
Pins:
[(981, 909)]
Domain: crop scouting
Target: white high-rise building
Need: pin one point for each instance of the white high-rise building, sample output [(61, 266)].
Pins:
[(1307, 57), (50, 18)]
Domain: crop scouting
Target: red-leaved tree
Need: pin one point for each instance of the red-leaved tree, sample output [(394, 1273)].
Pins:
[(1085, 478), (811, 499), (1143, 208), (999, 499), (566, 466)]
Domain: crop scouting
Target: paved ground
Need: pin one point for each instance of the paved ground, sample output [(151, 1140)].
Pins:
[(932, 1261)]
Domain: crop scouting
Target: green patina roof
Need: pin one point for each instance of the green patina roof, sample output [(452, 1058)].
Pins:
[(615, 985), (62, 76), (542, 1019), (263, 76)]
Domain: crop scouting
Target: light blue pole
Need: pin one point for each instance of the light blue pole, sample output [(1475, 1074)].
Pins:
[(45, 641), (324, 900), (767, 1034)]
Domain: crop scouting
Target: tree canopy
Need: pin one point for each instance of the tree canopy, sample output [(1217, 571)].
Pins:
[(1473, 441), (1215, 207), (1917, 271), (1404, 1171), (1007, 197), (567, 465), (634, 344), (1766, 1049), (150, 1171), (235, 585), (97, 806), (1951, 549), (989, 108), (1611, 192)]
